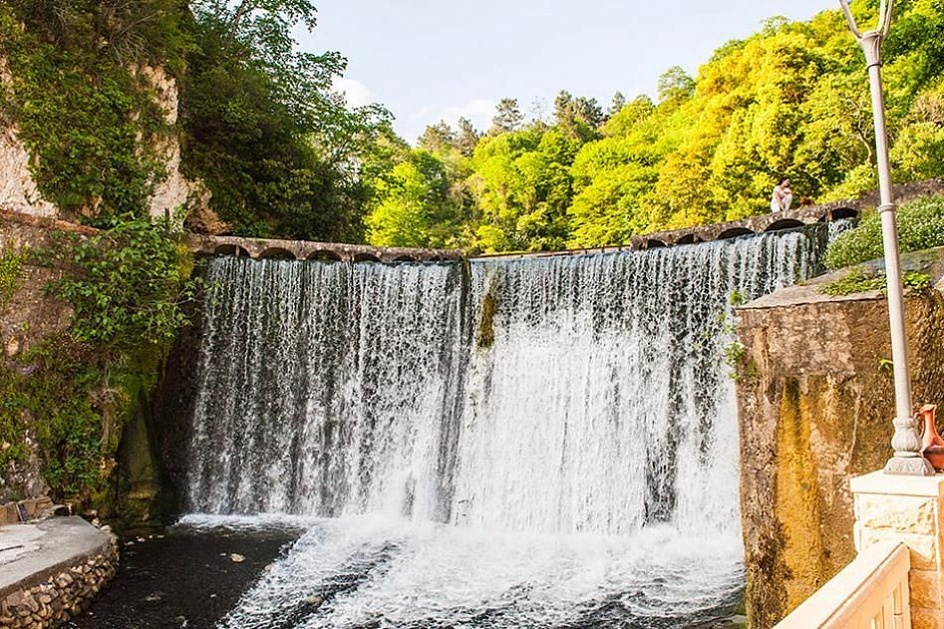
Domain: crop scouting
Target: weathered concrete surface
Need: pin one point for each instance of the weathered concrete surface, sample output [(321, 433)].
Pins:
[(815, 405), (30, 552), (50, 569)]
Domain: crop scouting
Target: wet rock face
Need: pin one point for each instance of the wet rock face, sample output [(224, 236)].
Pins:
[(60, 596), (815, 405)]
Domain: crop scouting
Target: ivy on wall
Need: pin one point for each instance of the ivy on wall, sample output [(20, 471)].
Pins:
[(75, 391)]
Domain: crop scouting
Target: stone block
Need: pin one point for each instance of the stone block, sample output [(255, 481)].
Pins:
[(904, 514), (924, 549), (925, 586), (927, 619)]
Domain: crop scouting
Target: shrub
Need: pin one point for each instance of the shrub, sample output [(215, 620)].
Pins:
[(920, 226), (127, 286)]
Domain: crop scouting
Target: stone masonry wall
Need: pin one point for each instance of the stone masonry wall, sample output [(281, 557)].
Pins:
[(47, 601), (815, 403), (908, 510)]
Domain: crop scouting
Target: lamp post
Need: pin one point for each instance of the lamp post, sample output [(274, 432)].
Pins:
[(906, 442)]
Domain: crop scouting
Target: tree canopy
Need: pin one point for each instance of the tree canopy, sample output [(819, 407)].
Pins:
[(285, 156), (790, 101)]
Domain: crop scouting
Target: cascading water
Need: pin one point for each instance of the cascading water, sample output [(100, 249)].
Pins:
[(540, 442)]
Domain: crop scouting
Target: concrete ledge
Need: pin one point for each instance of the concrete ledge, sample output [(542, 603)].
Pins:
[(49, 570), (892, 485)]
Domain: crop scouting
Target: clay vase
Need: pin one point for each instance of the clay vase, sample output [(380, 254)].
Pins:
[(932, 445)]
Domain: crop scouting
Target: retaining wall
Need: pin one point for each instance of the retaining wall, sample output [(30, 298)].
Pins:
[(59, 565)]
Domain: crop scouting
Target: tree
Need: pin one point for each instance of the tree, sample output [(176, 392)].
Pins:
[(438, 138), (522, 186), (675, 86), (616, 104), (467, 138), (508, 116), (416, 205), (578, 117), (279, 150)]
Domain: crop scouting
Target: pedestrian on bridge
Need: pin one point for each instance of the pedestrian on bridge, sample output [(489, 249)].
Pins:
[(782, 197)]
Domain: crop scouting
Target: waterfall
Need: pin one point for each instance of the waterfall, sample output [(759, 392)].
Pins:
[(326, 389), (541, 419)]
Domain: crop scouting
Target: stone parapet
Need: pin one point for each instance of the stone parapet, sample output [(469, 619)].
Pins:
[(907, 509), (56, 567)]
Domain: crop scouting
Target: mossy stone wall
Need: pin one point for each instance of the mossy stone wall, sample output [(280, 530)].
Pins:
[(815, 407)]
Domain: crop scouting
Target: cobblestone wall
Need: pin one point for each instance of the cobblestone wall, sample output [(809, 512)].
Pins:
[(47, 599)]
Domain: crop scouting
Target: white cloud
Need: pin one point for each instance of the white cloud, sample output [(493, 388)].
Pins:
[(355, 93)]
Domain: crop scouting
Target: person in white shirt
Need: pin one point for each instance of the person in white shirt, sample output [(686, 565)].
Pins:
[(782, 197)]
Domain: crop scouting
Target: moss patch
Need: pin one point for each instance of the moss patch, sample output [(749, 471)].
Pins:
[(486, 334)]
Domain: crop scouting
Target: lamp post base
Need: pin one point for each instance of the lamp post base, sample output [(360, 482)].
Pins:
[(909, 466)]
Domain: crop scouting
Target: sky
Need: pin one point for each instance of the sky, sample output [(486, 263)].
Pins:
[(431, 60)]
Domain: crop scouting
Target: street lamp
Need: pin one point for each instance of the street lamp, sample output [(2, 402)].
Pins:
[(906, 442)]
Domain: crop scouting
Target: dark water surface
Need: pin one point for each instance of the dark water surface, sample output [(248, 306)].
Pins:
[(184, 578)]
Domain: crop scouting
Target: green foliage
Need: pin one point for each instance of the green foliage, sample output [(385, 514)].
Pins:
[(277, 148), (74, 398), (859, 280), (920, 226), (12, 446), (56, 386), (84, 112), (416, 205), (75, 391), (126, 286), (11, 264)]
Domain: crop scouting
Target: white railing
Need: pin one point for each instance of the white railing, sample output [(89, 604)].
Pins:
[(869, 593)]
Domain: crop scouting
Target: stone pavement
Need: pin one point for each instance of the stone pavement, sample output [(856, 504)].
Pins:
[(34, 550), (50, 569)]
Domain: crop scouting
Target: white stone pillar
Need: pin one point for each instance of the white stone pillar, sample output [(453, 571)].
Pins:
[(907, 509)]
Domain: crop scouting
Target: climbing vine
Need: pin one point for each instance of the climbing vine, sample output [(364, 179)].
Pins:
[(11, 264)]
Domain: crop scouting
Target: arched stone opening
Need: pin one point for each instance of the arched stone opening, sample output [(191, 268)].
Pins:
[(784, 223), (843, 212), (277, 253), (734, 232), (652, 243), (404, 258), (365, 257), (231, 250), (688, 239)]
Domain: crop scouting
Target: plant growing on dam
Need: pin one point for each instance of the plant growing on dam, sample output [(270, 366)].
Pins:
[(920, 226), (859, 280)]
